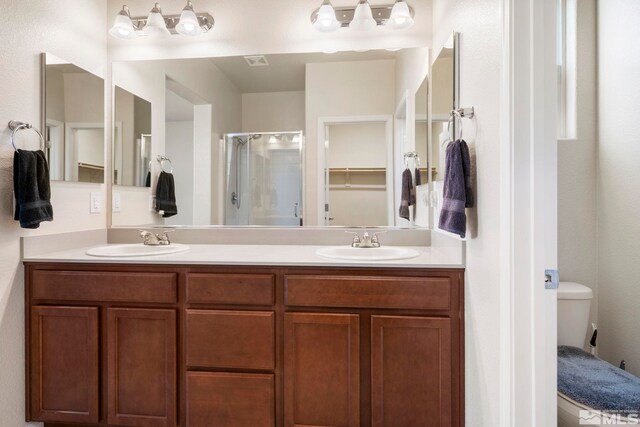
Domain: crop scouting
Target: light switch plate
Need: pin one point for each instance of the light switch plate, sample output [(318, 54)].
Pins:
[(96, 202), (117, 203)]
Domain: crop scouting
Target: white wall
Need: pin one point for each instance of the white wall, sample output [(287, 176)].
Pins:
[(577, 167), (273, 111), (341, 89), (619, 182), (479, 22), (179, 148), (26, 31)]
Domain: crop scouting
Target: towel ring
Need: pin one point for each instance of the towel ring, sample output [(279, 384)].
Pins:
[(453, 115), (162, 160), (16, 126)]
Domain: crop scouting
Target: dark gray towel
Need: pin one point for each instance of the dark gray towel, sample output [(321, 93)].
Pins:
[(31, 188), (596, 383), (418, 177), (458, 194), (408, 197), (166, 195)]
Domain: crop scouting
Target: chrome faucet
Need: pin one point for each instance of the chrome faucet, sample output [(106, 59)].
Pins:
[(367, 240), (152, 239)]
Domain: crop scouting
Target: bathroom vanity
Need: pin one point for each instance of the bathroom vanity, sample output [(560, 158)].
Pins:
[(167, 344)]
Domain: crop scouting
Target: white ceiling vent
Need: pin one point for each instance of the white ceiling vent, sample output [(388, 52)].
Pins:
[(256, 61)]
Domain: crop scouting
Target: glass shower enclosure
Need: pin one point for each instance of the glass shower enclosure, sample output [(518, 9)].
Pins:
[(263, 178)]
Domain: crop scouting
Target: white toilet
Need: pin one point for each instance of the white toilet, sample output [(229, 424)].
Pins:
[(574, 301)]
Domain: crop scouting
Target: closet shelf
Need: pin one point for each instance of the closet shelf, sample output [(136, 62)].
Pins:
[(357, 187), (357, 170)]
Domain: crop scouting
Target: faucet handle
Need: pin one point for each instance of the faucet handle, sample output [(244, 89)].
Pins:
[(374, 240), (356, 238), (143, 233), (164, 238)]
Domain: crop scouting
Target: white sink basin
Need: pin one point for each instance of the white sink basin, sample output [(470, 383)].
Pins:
[(384, 253), (136, 249)]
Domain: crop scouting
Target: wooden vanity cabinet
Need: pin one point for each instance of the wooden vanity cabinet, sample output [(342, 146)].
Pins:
[(147, 346)]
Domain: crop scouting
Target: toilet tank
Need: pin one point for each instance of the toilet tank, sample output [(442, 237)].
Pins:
[(574, 302)]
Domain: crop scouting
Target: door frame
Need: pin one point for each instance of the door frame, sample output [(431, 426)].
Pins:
[(323, 145), (71, 148), (528, 210)]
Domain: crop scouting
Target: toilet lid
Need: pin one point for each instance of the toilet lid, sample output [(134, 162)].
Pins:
[(572, 290)]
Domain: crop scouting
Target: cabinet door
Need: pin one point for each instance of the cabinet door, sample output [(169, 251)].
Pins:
[(141, 367), (411, 371), (63, 371), (322, 370)]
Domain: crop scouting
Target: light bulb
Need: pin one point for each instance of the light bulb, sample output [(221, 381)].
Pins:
[(188, 24), (400, 16), (325, 20), (123, 26), (156, 26), (363, 17)]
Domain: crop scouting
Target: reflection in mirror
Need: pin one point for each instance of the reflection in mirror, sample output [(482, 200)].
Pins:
[(73, 121), (264, 179), (443, 100), (357, 191), (131, 139), (289, 140), (422, 125)]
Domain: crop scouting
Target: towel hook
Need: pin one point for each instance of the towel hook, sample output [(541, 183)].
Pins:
[(16, 126), (161, 160)]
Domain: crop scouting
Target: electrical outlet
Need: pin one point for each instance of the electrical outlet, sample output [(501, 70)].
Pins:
[(96, 202), (117, 202), (152, 203)]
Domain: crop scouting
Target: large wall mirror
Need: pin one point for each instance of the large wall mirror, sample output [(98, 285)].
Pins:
[(73, 121), (304, 139)]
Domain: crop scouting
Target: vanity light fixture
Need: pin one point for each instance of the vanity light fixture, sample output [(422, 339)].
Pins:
[(326, 20), (188, 24), (401, 16), (363, 17), (158, 25), (123, 28)]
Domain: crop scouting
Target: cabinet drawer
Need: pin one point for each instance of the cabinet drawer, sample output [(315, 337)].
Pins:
[(104, 286), (250, 289), (421, 293), (230, 400), (230, 339)]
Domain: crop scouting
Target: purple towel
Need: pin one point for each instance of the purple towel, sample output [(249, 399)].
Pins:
[(458, 194)]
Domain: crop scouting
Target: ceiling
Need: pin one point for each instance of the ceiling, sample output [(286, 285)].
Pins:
[(285, 72)]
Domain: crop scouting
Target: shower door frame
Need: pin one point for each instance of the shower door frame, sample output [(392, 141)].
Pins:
[(224, 197)]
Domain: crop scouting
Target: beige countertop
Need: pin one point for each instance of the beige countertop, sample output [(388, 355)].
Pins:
[(258, 255)]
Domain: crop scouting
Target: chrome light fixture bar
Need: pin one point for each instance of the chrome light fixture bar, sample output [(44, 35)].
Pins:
[(205, 22), (381, 14)]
